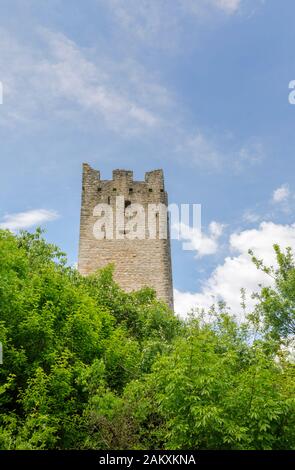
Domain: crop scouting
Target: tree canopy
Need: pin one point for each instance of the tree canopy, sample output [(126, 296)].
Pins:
[(89, 366)]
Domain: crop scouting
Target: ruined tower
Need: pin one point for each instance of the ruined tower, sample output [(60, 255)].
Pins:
[(139, 262)]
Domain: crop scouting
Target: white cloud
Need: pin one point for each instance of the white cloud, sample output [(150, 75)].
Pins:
[(24, 220), (58, 81), (83, 82), (66, 81), (252, 153), (201, 150), (204, 150), (62, 82), (210, 7), (198, 241), (229, 6), (238, 271), (216, 229), (281, 200), (161, 23), (281, 194), (251, 217)]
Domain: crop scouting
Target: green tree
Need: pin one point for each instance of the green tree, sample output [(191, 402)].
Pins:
[(89, 366), (276, 305)]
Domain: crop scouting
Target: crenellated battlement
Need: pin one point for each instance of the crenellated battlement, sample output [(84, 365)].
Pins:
[(88, 171), (123, 175), (154, 177)]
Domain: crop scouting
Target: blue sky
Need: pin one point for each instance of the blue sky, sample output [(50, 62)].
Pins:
[(196, 87)]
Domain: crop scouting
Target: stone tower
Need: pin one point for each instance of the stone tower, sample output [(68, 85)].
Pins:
[(138, 262)]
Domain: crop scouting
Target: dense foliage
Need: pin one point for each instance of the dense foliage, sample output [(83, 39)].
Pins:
[(88, 366)]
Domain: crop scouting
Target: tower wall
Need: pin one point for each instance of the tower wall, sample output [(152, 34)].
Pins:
[(138, 262)]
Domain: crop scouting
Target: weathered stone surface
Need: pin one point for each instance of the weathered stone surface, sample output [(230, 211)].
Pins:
[(138, 262)]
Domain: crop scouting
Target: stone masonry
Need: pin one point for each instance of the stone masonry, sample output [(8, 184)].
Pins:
[(138, 262)]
